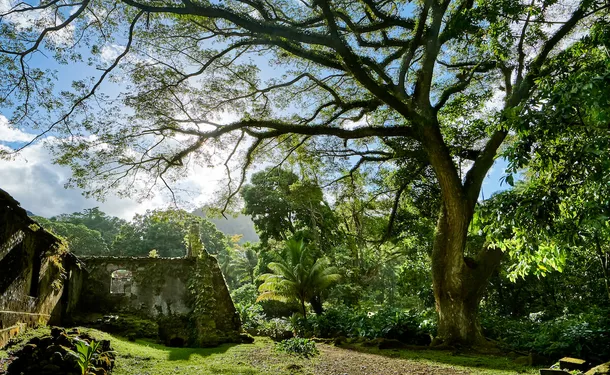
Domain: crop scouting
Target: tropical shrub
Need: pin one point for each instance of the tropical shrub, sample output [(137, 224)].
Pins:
[(583, 335), (297, 276), (252, 317), (85, 355), (405, 325), (276, 328), (298, 346), (245, 294)]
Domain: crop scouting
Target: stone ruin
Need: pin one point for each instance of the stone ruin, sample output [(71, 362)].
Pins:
[(185, 300)]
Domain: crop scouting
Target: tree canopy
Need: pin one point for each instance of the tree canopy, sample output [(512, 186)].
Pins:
[(81, 239), (168, 232)]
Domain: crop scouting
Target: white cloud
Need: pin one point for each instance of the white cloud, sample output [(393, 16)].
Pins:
[(496, 102), (11, 134), (109, 53), (40, 19), (38, 185), (351, 125)]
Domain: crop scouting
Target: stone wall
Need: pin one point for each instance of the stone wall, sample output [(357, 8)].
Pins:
[(34, 267), (157, 287), (188, 297)]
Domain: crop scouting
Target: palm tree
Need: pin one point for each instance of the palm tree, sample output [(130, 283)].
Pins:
[(245, 262), (297, 276)]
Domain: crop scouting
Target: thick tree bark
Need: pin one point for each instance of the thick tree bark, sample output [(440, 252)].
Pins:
[(459, 284)]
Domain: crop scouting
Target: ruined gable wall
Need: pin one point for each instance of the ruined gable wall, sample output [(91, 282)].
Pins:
[(158, 285), (188, 297), (34, 265)]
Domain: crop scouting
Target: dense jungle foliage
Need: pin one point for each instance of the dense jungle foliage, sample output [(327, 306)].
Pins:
[(356, 288)]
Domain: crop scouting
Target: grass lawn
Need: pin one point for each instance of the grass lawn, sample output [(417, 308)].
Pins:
[(149, 358)]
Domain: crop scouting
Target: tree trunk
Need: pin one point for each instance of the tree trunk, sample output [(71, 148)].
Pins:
[(459, 284), (604, 262), (303, 309), (316, 304)]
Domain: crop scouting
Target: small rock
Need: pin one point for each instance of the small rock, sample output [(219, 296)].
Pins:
[(45, 341), (56, 331), (56, 348), (28, 349)]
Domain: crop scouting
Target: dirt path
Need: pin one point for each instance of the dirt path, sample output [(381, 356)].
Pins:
[(337, 361)]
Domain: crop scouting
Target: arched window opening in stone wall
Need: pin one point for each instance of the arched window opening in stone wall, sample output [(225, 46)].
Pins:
[(120, 282)]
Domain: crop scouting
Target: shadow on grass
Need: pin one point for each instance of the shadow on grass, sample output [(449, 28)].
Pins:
[(171, 353), (447, 357)]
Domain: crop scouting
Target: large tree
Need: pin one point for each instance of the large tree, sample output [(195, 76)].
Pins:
[(81, 239), (369, 81), (94, 219), (281, 205), (171, 232)]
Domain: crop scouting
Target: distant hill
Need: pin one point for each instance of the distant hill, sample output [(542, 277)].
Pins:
[(241, 224)]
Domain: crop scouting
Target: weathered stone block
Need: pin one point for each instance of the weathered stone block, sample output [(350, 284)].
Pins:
[(568, 363)]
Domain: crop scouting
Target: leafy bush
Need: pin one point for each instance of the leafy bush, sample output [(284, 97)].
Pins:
[(584, 335), (298, 346), (245, 295), (279, 309), (276, 328), (405, 325), (251, 316), (255, 320)]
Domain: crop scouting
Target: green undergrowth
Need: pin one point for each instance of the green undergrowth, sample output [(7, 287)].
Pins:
[(18, 342), (146, 357)]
